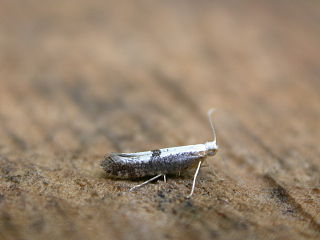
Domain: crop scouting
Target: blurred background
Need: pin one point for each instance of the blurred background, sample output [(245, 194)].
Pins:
[(98, 58), (81, 78)]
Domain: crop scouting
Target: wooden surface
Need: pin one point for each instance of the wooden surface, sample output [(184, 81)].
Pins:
[(83, 78)]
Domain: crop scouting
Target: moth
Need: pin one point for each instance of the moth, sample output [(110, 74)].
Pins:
[(160, 162)]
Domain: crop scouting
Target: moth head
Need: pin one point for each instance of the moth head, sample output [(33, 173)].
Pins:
[(211, 148)]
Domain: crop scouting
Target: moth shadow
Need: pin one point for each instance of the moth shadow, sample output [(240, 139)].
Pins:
[(183, 176)]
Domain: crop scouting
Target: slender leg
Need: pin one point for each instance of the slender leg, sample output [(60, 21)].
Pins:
[(164, 178), (194, 179), (146, 182)]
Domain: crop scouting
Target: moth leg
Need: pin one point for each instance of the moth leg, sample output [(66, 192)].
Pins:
[(144, 183), (194, 179), (164, 178)]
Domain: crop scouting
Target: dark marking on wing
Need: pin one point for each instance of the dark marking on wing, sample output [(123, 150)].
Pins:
[(156, 153)]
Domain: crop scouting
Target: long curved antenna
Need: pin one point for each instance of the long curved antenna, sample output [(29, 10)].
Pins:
[(210, 112)]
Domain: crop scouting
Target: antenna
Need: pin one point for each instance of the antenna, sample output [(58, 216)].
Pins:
[(210, 112)]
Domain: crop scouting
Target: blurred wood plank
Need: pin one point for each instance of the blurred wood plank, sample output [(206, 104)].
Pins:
[(80, 79)]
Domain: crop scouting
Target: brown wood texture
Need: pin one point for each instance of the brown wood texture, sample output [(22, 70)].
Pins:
[(79, 79)]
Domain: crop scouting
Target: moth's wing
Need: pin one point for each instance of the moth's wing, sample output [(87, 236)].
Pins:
[(129, 157), (182, 152)]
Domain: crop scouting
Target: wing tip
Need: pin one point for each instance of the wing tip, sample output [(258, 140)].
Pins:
[(108, 160)]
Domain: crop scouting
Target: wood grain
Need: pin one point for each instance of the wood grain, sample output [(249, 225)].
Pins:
[(80, 79)]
